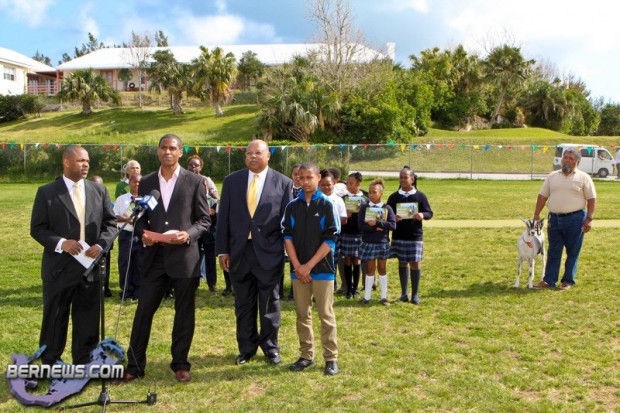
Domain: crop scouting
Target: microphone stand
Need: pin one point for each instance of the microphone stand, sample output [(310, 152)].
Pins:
[(100, 263)]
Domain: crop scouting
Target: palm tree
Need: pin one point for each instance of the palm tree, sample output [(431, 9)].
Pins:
[(168, 74), (215, 73), (87, 87), (507, 70)]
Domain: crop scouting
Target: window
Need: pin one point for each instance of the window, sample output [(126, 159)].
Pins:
[(9, 73)]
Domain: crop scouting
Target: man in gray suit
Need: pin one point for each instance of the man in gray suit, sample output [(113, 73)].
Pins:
[(249, 245), (69, 210)]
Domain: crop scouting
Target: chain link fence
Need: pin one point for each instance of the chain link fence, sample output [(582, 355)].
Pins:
[(35, 161)]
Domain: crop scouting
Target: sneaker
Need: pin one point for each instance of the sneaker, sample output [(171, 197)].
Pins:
[(385, 302), (331, 368), (301, 364)]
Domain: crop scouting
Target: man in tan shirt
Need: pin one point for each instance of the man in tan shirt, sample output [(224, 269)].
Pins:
[(571, 199)]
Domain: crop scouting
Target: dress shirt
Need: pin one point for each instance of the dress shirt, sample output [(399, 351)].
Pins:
[(262, 176), (167, 187)]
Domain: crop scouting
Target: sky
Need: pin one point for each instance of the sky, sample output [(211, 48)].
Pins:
[(579, 38)]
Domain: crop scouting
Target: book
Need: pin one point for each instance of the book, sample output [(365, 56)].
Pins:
[(375, 214), (353, 203), (406, 210), (166, 237)]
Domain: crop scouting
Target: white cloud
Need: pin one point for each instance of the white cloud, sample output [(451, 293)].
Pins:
[(210, 29), (222, 30), (32, 12), (87, 23)]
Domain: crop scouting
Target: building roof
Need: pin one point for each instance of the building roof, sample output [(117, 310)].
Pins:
[(269, 54), (18, 59)]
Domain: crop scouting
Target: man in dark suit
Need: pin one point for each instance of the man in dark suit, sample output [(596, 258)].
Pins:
[(67, 211), (183, 207), (249, 245)]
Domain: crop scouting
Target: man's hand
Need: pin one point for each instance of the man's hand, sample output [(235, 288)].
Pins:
[(93, 251), (147, 241), (72, 247), (182, 238), (224, 262)]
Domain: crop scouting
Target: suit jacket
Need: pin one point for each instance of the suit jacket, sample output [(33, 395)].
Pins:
[(54, 217), (234, 221), (188, 211)]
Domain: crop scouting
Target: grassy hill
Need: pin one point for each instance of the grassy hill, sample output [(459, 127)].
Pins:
[(199, 126)]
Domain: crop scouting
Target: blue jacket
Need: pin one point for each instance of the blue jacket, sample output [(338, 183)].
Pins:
[(308, 226)]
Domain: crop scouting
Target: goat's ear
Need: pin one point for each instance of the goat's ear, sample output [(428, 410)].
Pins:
[(523, 220), (542, 223)]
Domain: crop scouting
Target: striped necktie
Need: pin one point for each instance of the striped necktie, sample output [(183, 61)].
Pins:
[(80, 209)]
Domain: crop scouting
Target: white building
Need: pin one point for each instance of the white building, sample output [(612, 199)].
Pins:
[(110, 61), (20, 74)]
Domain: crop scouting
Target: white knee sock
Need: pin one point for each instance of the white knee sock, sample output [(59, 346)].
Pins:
[(368, 286), (383, 283)]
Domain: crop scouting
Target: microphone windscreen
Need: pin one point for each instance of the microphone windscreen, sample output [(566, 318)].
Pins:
[(155, 194)]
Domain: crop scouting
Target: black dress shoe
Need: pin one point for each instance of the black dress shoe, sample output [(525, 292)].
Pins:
[(331, 368), (243, 358), (226, 293), (301, 364), (107, 293), (274, 358)]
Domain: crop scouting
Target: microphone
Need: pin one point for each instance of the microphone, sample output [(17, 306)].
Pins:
[(146, 202)]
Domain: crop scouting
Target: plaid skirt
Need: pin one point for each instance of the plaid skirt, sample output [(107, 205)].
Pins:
[(349, 245), (407, 251), (379, 251)]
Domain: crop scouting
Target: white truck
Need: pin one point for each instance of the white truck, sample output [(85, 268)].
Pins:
[(595, 160)]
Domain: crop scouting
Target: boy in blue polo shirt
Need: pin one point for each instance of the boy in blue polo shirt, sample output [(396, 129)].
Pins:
[(309, 227)]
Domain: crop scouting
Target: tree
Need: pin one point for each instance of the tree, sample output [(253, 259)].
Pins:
[(506, 69), (87, 87), (40, 57), (168, 74), (340, 42), (138, 54), (161, 40), (92, 45), (610, 120), (215, 73), (250, 69), (455, 78)]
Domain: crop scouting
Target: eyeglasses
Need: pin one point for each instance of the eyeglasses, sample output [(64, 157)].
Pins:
[(257, 154)]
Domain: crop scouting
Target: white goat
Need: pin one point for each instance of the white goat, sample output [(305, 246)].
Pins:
[(531, 244)]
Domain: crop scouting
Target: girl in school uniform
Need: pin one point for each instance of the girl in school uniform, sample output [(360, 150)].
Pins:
[(350, 237), (411, 207), (375, 220)]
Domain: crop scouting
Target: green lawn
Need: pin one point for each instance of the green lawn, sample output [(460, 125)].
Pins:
[(474, 344)]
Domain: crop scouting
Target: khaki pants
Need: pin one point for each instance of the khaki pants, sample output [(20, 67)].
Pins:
[(323, 292)]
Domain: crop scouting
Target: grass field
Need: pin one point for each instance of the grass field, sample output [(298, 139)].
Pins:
[(474, 344)]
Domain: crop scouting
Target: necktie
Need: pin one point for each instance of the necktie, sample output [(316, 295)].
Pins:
[(253, 198), (253, 195), (80, 209)]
